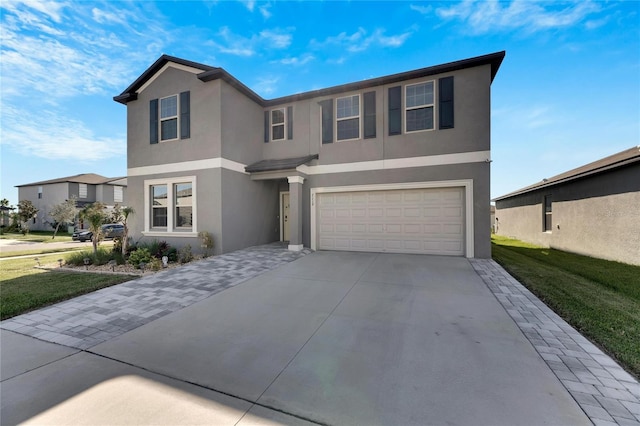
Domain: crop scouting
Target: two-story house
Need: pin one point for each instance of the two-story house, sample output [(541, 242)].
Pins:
[(399, 163), (87, 188)]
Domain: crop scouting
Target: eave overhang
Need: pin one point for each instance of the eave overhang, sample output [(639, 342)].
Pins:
[(210, 73)]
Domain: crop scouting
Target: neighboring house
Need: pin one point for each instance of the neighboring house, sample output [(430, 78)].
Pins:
[(86, 188), (592, 210), (393, 164)]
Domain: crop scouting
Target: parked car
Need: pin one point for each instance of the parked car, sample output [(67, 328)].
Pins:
[(109, 231)]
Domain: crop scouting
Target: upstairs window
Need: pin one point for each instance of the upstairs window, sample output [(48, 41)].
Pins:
[(39, 192), (82, 190), (419, 110), (277, 124), (348, 117), (169, 118)]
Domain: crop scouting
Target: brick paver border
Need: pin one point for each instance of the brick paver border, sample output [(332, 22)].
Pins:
[(607, 393)]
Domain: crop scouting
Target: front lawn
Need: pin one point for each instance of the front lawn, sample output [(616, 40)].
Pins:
[(599, 298), (37, 236), (24, 288)]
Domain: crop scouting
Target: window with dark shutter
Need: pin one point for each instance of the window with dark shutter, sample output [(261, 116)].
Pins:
[(327, 120), (153, 121), (290, 122), (185, 115), (445, 96), (369, 115), (395, 110)]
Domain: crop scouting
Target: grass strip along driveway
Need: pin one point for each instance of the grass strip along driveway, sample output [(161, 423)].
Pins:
[(599, 298), (24, 288)]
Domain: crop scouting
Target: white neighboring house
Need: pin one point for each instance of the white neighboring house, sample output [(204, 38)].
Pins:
[(87, 188)]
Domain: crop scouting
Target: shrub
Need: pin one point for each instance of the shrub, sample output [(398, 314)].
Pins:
[(206, 242), (139, 255), (101, 257), (155, 264), (185, 255)]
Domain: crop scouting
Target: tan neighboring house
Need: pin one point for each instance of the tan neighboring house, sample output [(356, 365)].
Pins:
[(592, 210), (87, 188)]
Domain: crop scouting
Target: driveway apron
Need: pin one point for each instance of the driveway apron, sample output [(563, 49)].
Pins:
[(332, 338)]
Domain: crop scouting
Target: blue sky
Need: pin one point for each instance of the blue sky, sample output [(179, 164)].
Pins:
[(568, 91)]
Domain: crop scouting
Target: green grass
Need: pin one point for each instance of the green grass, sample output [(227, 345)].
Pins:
[(37, 252), (24, 288), (600, 298), (37, 236)]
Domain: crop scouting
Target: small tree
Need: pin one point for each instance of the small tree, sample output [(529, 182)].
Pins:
[(63, 212), (126, 212), (26, 212), (95, 215)]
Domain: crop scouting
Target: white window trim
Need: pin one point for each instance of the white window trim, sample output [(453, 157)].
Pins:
[(177, 117), (283, 124), (169, 231), (405, 108), (467, 184), (359, 117)]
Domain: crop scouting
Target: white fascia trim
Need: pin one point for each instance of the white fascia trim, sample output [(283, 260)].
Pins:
[(164, 68), (188, 166), (398, 163), (170, 234), (467, 184)]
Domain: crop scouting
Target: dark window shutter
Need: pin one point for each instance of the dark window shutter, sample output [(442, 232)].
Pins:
[(185, 115), (369, 115), (290, 122), (266, 126), (445, 94), (395, 110), (153, 121), (327, 120)]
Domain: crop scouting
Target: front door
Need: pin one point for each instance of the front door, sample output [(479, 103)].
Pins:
[(284, 217)]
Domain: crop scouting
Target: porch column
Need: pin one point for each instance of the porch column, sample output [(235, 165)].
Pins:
[(295, 212)]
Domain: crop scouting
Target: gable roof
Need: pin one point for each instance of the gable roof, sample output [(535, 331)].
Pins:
[(624, 158), (88, 178), (210, 73)]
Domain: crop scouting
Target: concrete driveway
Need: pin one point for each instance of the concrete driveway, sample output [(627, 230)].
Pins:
[(333, 338)]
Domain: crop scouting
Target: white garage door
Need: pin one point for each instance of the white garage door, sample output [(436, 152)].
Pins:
[(427, 221)]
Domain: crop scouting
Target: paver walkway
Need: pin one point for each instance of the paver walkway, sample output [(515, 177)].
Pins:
[(607, 394), (88, 320)]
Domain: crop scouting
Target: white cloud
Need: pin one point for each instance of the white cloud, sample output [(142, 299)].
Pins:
[(301, 60), (265, 85), (235, 44), (249, 4), (264, 10), (277, 39), (527, 15), (424, 10), (360, 41), (49, 135)]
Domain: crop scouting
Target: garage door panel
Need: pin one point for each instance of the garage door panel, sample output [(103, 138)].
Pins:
[(429, 221)]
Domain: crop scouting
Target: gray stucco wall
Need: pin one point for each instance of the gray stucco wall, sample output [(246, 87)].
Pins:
[(205, 121), (478, 172), (472, 109), (597, 216), (52, 194), (250, 211), (225, 123), (208, 201)]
